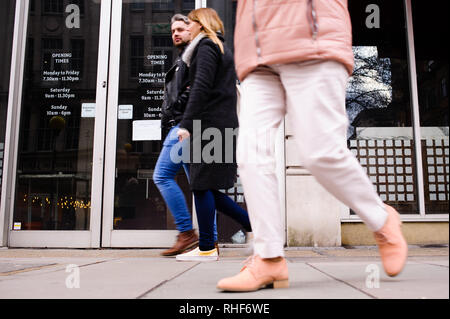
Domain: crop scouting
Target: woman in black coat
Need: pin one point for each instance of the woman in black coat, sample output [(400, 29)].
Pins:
[(210, 121)]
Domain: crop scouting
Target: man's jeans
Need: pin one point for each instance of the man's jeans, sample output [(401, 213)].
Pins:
[(164, 178)]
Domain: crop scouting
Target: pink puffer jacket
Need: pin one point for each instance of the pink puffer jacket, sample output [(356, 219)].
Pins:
[(286, 31)]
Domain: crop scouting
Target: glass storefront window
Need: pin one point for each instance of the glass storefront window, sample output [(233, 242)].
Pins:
[(432, 68), (227, 12), (378, 102), (57, 110), (7, 9), (54, 168), (147, 53)]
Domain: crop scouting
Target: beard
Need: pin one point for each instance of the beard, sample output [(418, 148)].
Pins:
[(181, 45)]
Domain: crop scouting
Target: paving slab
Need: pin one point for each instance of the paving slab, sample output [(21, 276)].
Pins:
[(418, 280), (118, 278), (142, 273), (44, 266), (305, 283)]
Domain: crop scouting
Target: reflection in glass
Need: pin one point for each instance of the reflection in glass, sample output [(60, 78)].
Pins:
[(432, 69), (378, 104), (7, 11), (53, 183)]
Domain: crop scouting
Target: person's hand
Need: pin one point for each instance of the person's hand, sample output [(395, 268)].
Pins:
[(182, 134)]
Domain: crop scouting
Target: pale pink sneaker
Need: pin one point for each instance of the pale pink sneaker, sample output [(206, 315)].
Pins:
[(256, 274), (391, 243)]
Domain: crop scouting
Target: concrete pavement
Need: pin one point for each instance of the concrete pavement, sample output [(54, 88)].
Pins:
[(315, 273)]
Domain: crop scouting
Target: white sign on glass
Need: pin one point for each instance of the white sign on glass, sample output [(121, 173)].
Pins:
[(125, 112), (147, 130), (88, 110)]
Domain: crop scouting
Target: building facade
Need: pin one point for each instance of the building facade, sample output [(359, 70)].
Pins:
[(81, 87)]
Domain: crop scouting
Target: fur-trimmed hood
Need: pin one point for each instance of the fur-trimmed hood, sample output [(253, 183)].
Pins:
[(189, 51)]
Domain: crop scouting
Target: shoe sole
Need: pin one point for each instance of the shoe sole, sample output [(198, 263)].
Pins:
[(188, 248), (280, 284), (277, 284), (197, 258)]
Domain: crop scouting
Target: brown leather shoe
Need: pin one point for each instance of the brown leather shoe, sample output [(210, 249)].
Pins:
[(185, 241)]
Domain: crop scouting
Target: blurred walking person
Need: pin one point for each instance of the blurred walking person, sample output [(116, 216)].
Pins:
[(211, 106), (295, 57)]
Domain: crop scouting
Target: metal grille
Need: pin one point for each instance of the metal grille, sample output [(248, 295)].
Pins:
[(436, 170), (390, 166)]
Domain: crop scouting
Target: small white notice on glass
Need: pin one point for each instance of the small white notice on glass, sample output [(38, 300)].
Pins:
[(147, 130), (125, 112), (88, 110)]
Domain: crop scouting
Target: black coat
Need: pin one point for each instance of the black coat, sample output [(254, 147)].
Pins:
[(212, 100)]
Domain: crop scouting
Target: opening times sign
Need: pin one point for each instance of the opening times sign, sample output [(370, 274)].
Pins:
[(58, 96), (59, 93), (152, 84), (61, 76), (59, 108)]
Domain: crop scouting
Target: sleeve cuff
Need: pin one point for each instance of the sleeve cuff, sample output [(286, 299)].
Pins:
[(186, 124)]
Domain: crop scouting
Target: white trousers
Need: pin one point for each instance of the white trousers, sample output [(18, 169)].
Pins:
[(313, 96)]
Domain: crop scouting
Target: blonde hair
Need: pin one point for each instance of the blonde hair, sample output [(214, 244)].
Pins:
[(211, 23)]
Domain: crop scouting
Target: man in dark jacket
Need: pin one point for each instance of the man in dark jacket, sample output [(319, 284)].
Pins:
[(176, 95), (176, 90)]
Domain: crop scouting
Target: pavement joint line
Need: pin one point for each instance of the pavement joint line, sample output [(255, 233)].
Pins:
[(14, 272), (431, 264), (98, 262), (19, 271), (167, 280), (342, 281)]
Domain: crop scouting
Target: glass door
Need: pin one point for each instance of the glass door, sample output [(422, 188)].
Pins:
[(135, 214), (59, 167)]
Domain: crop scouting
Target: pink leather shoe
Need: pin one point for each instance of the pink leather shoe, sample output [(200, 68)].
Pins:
[(256, 274), (391, 243)]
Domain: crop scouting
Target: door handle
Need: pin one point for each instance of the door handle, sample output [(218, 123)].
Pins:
[(104, 84)]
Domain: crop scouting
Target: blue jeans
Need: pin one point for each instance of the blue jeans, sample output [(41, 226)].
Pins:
[(164, 178)]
